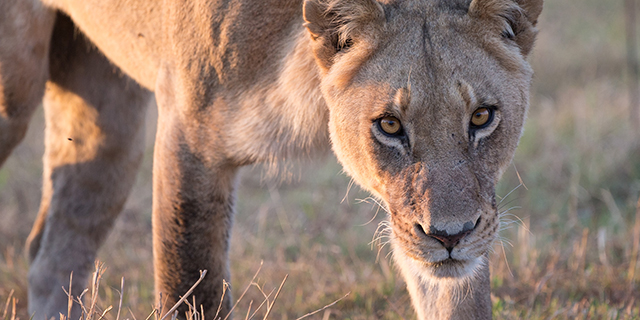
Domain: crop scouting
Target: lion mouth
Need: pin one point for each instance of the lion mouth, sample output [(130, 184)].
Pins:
[(448, 263), (445, 268), (440, 255), (451, 268)]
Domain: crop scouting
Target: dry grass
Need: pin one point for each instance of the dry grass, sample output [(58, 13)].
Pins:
[(569, 248)]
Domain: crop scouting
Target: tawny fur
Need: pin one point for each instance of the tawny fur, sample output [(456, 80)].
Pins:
[(240, 82)]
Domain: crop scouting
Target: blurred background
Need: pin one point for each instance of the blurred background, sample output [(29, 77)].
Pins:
[(570, 241)]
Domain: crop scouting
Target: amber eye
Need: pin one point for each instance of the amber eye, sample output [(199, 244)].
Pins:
[(481, 117), (390, 125)]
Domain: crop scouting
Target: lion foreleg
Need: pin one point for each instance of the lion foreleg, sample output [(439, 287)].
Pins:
[(193, 199), (25, 31), (94, 145)]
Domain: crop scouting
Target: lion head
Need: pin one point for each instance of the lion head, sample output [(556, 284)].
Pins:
[(427, 103)]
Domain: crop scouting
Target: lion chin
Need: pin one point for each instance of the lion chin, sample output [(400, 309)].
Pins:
[(453, 269), (447, 270)]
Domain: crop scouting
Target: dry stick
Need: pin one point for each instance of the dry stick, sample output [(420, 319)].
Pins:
[(245, 290), (325, 307), (92, 301), (79, 301), (248, 310), (270, 307), (6, 306), (134, 316), (224, 291), (69, 296), (13, 309), (186, 295), (195, 308), (190, 314), (104, 312), (154, 311), (266, 299), (121, 294), (193, 313), (97, 275)]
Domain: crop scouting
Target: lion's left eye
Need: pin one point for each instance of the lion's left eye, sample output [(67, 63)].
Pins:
[(481, 118), (390, 125)]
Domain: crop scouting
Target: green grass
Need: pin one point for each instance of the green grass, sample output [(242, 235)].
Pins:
[(569, 253)]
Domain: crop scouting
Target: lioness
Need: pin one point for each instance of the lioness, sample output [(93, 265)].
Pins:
[(423, 102)]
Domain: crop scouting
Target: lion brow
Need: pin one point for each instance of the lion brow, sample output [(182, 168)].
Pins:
[(467, 93), (402, 99)]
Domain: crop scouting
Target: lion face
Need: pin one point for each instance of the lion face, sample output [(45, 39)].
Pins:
[(427, 103)]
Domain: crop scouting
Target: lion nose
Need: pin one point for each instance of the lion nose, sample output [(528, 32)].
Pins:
[(449, 241)]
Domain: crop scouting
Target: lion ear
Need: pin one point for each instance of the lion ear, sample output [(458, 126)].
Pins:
[(532, 9), (516, 18), (332, 24)]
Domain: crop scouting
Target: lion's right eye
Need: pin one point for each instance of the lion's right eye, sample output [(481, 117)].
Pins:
[(481, 118), (390, 125), (344, 45)]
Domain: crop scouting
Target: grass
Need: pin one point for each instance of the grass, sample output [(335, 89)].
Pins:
[(569, 250)]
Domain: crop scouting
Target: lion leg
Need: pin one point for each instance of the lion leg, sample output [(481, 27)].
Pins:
[(193, 199), (94, 145), (25, 31)]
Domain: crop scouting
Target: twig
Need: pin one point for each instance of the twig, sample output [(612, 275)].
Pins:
[(154, 311), (134, 316), (95, 285), (6, 306), (186, 295), (266, 299), (225, 285), (245, 290), (323, 308), (121, 294), (79, 301), (195, 308), (275, 297), (13, 309), (248, 310), (69, 296), (104, 312)]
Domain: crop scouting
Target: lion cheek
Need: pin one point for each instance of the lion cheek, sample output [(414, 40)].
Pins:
[(354, 156)]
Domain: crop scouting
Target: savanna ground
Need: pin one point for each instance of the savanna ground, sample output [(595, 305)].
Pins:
[(569, 248)]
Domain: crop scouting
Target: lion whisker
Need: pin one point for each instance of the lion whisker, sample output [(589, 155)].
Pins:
[(509, 193), (346, 194), (372, 218)]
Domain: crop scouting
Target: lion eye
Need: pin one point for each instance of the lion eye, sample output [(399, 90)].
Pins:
[(481, 117), (344, 45), (390, 125)]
